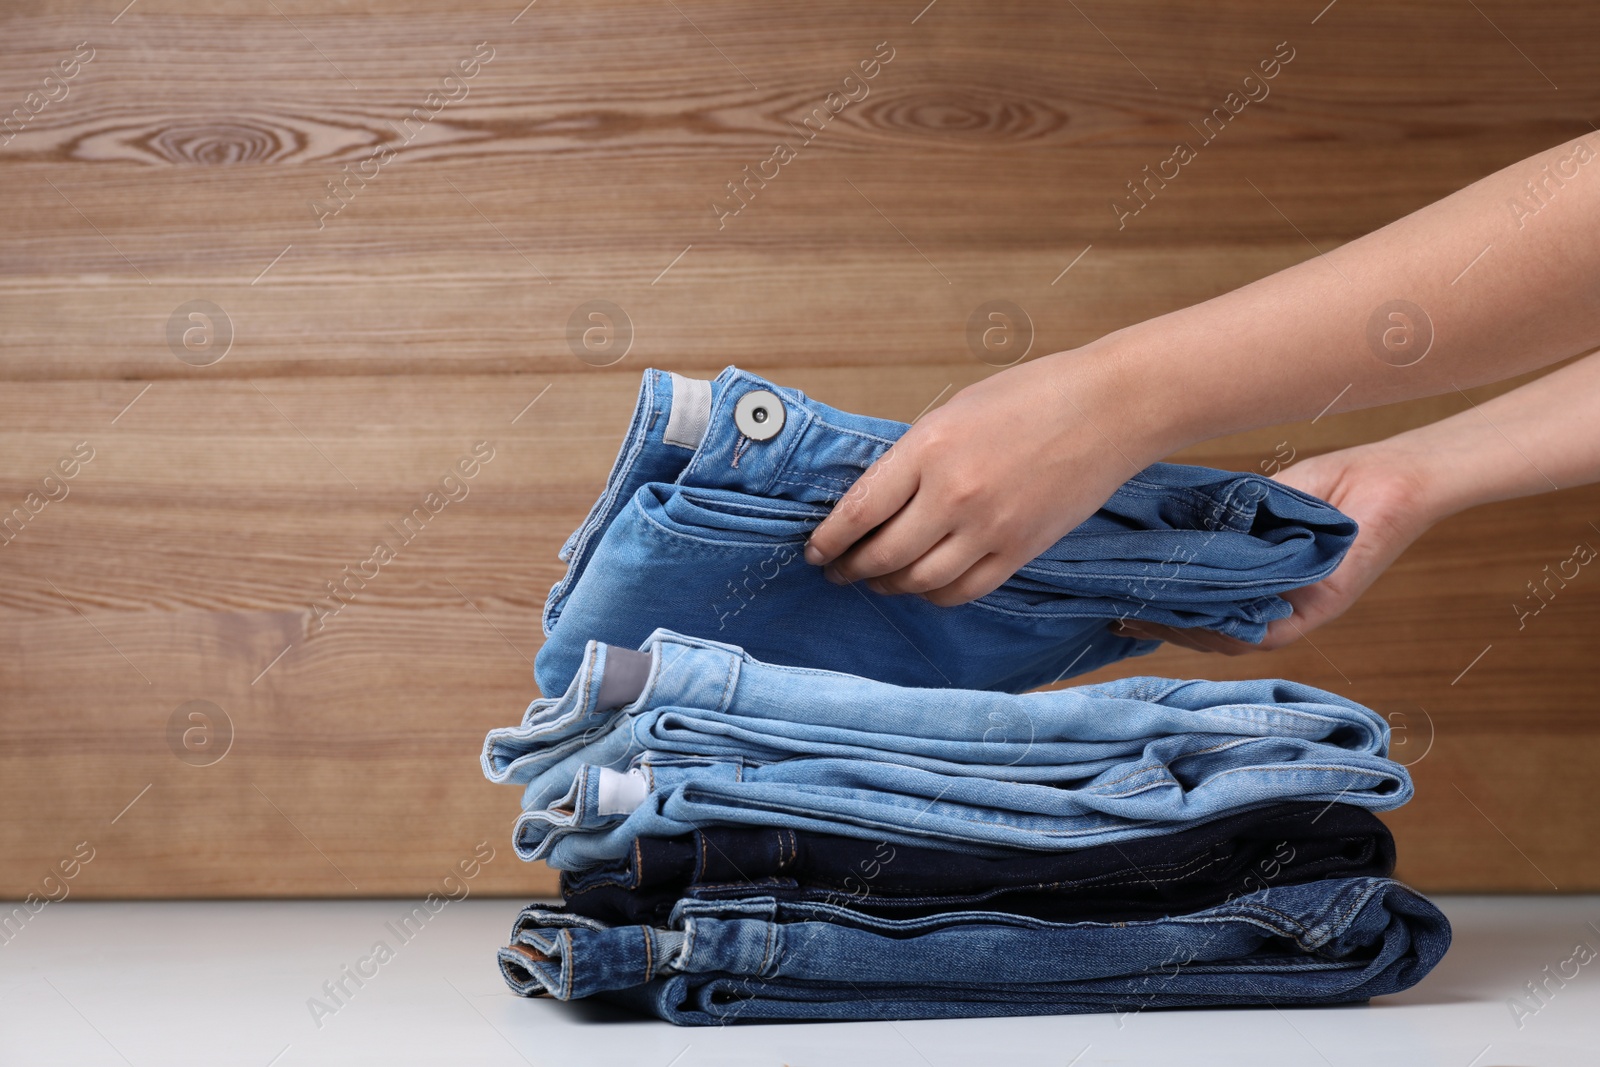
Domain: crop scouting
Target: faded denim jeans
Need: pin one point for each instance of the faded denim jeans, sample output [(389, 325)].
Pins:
[(691, 732), (703, 521)]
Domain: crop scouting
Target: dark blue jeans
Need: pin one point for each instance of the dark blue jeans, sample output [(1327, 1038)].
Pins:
[(1144, 878), (1336, 941), (701, 526)]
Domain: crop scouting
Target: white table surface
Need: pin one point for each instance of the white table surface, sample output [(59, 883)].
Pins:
[(218, 983)]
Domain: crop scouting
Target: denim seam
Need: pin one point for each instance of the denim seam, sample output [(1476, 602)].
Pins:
[(764, 880), (729, 547), (620, 471), (1166, 766), (1171, 779), (1049, 567), (837, 489), (730, 672), (568, 968), (1192, 502), (1196, 498), (819, 477), (1207, 751), (588, 680), (1299, 929), (1034, 612), (878, 820), (648, 960), (569, 893), (1367, 771), (850, 431), (767, 960), (1170, 873)]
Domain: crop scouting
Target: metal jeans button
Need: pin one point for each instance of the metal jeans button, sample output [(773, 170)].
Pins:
[(759, 415)]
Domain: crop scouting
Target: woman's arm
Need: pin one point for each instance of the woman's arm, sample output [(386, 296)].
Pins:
[(1539, 437), (1499, 278)]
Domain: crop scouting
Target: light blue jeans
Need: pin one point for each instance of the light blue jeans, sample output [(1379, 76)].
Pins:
[(1335, 941), (701, 528), (704, 733)]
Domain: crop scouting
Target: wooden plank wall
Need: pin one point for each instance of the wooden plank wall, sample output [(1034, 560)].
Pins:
[(365, 351)]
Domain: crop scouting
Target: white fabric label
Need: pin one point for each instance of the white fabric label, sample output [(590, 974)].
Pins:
[(621, 793), (691, 411)]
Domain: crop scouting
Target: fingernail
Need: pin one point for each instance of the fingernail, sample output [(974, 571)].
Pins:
[(834, 576), (814, 555), (876, 586)]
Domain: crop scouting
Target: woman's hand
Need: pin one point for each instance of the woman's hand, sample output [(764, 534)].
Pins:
[(1375, 486), (980, 486)]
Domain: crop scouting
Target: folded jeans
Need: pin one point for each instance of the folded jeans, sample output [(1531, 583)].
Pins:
[(1145, 878), (701, 526), (750, 743), (1328, 942)]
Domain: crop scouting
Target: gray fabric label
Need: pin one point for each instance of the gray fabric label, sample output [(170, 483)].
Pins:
[(623, 679)]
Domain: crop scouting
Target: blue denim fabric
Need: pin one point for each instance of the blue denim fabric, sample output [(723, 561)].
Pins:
[(703, 532), (1149, 878), (716, 736), (1330, 942)]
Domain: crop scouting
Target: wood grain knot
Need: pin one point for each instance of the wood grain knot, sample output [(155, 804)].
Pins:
[(974, 115), (220, 144)]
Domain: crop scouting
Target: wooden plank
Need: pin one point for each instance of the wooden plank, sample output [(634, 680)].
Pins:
[(369, 354)]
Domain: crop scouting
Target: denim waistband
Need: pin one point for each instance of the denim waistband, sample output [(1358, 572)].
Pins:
[(683, 430)]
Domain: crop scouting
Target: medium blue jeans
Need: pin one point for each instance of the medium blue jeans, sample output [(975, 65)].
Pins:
[(701, 529), (708, 734), (1335, 941)]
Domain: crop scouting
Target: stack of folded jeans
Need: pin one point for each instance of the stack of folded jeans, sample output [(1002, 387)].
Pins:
[(742, 840), (852, 813)]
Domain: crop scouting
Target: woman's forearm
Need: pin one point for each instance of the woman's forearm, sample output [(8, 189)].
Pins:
[(1500, 278), (1494, 280), (1541, 436)]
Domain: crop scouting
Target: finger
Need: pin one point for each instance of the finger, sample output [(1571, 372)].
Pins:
[(1142, 631), (880, 492), (941, 564), (1281, 632), (1172, 636), (981, 579), (1313, 605), (905, 538)]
